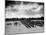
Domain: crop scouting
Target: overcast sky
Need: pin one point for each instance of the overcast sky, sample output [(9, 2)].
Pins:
[(30, 10)]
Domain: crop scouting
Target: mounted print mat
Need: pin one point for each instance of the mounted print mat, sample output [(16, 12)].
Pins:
[(24, 17)]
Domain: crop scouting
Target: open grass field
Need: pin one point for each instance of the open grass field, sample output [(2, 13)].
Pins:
[(11, 27)]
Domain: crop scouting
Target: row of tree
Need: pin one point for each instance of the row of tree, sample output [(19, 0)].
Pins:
[(17, 19)]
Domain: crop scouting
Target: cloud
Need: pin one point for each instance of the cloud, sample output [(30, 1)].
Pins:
[(25, 11)]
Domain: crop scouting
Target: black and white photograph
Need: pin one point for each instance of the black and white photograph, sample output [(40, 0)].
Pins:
[(22, 17)]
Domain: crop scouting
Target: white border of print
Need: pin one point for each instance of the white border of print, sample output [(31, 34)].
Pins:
[(2, 18)]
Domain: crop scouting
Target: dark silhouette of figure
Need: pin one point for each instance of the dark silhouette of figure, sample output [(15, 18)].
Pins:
[(15, 23)]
